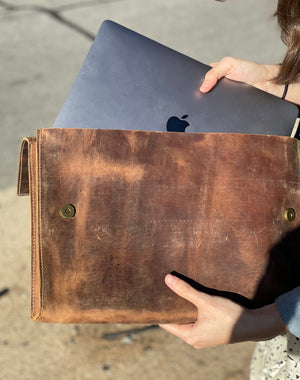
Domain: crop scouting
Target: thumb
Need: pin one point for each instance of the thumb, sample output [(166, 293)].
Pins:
[(185, 290), (219, 70)]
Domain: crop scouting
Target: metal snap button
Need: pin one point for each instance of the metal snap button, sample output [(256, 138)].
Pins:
[(68, 211), (290, 214)]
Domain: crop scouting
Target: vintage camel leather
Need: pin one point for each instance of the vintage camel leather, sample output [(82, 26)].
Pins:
[(114, 211)]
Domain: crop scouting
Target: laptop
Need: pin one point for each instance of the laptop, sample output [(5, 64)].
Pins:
[(131, 82)]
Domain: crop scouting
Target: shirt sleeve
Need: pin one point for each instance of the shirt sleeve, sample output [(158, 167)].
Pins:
[(288, 305)]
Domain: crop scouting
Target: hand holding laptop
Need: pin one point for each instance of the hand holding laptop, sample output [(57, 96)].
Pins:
[(257, 75)]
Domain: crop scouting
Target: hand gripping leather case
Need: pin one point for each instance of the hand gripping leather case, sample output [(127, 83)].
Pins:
[(114, 211)]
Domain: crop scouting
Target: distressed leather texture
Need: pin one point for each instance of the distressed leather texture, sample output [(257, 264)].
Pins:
[(208, 207)]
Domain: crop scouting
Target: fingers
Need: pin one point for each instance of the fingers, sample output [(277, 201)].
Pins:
[(183, 332), (219, 70), (216, 316), (186, 291), (210, 81)]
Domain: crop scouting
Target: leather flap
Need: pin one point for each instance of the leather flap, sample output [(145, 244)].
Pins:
[(23, 177), (118, 210)]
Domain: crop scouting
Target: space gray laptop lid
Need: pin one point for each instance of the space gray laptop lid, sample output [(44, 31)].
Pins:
[(129, 81)]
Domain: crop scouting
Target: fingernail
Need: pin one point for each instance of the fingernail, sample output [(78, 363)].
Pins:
[(204, 86), (170, 280)]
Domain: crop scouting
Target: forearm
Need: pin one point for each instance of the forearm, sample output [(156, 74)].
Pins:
[(259, 324), (267, 84), (293, 94)]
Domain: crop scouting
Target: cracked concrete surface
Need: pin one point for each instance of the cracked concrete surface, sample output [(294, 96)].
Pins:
[(43, 44), (55, 13)]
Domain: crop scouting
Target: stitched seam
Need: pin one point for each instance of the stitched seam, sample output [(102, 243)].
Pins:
[(33, 235), (21, 167), (40, 219)]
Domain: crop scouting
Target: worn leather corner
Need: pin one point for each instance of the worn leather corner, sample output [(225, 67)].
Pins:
[(23, 176)]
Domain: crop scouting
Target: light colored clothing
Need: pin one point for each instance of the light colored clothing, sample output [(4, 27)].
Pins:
[(288, 305), (276, 359)]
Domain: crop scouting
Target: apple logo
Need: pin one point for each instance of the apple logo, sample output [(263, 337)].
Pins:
[(175, 124)]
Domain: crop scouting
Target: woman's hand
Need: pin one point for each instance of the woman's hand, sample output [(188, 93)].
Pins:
[(221, 321), (255, 74)]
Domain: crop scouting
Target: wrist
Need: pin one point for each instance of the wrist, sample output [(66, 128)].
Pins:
[(258, 324), (267, 84), (267, 322)]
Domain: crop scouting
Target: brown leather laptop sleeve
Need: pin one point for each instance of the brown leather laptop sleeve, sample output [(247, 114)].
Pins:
[(114, 211)]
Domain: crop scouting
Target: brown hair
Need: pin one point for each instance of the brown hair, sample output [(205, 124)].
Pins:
[(288, 16)]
